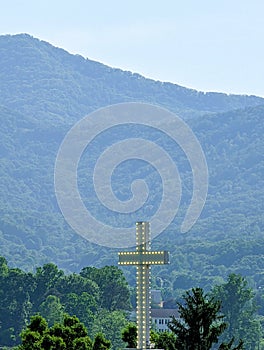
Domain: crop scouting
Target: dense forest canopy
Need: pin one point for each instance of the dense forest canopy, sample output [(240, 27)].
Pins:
[(48, 307), (100, 298), (44, 90)]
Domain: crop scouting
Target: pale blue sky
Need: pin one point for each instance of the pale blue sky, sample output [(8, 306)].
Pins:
[(208, 45)]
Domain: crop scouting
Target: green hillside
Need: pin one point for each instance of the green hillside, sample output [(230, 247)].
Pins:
[(45, 90), (49, 83)]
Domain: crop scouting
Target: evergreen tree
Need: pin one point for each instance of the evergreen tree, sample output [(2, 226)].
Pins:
[(200, 323)]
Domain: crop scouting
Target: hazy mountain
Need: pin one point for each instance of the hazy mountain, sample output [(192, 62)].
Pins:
[(45, 81), (45, 90)]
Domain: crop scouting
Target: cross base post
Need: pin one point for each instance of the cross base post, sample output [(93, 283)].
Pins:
[(143, 258)]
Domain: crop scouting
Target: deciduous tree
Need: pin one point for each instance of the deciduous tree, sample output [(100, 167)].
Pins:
[(240, 311), (101, 343), (129, 335), (164, 340), (114, 288), (69, 335)]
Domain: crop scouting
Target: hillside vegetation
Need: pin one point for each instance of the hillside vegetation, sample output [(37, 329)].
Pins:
[(44, 90)]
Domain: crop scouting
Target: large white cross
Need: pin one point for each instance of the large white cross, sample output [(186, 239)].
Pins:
[(143, 258)]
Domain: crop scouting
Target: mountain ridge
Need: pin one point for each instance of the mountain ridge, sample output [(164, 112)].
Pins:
[(44, 90), (122, 86)]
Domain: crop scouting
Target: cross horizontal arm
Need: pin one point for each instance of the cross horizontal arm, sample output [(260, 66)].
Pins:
[(144, 258)]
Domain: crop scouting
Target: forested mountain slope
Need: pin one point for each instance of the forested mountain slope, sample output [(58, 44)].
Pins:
[(45, 90), (47, 82), (228, 237)]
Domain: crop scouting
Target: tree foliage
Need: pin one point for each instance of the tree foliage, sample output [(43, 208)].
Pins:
[(239, 309), (50, 292), (45, 90), (165, 340), (71, 334), (200, 323), (129, 335), (113, 286), (111, 325), (100, 343)]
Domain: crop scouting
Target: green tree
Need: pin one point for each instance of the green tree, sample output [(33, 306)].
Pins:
[(82, 344), (164, 340), (3, 267), (240, 311), (52, 310), (77, 284), (84, 306), (32, 336), (114, 289), (45, 279), (111, 325), (69, 331), (200, 323), (101, 343), (15, 304), (69, 335), (80, 296), (129, 335), (51, 342)]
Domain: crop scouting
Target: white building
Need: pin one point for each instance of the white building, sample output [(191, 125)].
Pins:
[(161, 318)]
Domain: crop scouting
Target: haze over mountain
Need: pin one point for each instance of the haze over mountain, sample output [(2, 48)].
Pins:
[(39, 77), (44, 90)]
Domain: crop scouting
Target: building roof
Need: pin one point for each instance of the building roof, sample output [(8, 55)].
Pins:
[(164, 313)]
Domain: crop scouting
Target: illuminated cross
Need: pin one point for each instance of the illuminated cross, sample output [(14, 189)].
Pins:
[(143, 258)]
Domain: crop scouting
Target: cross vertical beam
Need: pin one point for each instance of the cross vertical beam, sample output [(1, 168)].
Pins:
[(143, 286), (143, 258)]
